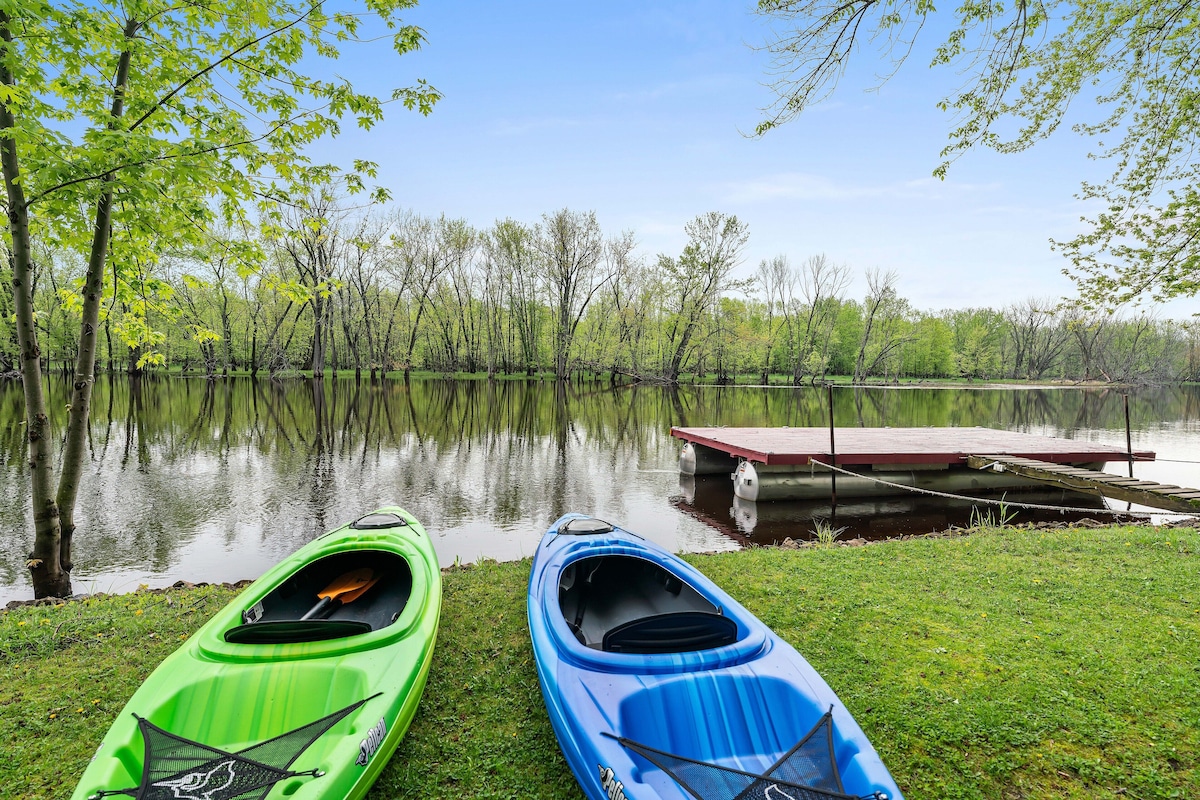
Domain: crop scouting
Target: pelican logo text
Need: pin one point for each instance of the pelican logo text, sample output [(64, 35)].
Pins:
[(369, 745), (201, 785), (775, 793), (609, 783)]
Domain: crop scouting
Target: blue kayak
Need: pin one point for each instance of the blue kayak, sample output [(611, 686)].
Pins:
[(660, 685)]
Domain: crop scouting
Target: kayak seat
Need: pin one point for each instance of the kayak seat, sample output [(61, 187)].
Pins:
[(626, 604), (287, 631), (675, 632)]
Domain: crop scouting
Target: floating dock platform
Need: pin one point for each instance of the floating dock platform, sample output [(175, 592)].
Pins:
[(789, 463)]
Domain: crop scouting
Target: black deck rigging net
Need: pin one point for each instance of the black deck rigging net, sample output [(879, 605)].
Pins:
[(806, 772), (175, 768)]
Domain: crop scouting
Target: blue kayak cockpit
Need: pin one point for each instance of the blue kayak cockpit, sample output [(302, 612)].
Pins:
[(624, 604)]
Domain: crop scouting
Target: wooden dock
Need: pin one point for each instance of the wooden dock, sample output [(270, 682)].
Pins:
[(896, 446), (789, 463), (1116, 487)]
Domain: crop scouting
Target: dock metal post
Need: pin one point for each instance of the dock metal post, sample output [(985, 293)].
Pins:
[(832, 453), (1128, 437)]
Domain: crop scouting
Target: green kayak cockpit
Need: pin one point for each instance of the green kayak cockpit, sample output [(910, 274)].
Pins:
[(345, 594), (623, 604)]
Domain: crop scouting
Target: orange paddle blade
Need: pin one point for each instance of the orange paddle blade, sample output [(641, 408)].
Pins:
[(355, 582), (344, 589), (354, 594)]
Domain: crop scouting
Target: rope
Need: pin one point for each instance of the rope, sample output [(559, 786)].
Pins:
[(1005, 503)]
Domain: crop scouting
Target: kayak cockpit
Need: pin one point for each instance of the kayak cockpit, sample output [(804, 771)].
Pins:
[(345, 594), (625, 604)]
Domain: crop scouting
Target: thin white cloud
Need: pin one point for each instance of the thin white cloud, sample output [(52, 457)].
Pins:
[(704, 85), (523, 127), (806, 186)]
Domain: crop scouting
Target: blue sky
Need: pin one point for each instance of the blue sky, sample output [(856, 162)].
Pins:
[(637, 110)]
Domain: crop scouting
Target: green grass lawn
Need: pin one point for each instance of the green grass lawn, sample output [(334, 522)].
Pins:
[(1005, 664)]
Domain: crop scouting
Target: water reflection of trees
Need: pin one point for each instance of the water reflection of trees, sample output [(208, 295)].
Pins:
[(173, 461)]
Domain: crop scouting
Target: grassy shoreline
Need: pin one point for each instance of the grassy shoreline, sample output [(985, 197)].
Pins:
[(1005, 664)]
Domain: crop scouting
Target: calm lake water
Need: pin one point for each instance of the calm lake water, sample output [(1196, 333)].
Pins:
[(203, 481)]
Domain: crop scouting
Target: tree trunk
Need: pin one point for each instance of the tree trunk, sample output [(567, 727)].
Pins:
[(317, 363), (50, 577), (85, 363)]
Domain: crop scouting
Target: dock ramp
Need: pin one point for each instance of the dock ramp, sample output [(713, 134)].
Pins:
[(1116, 487)]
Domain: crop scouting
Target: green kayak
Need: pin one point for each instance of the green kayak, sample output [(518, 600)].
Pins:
[(300, 688)]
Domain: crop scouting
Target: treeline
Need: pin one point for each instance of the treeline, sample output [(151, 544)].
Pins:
[(323, 286)]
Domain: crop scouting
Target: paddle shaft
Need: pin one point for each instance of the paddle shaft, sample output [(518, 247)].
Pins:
[(345, 589)]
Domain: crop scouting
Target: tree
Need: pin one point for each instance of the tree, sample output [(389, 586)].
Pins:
[(572, 256), (883, 333), (929, 352), (316, 236), (1092, 333), (631, 296), (421, 246), (198, 109), (777, 280), (1038, 336), (8, 331), (1026, 64), (361, 296), (977, 336), (511, 246), (455, 311), (698, 277), (204, 288), (822, 286)]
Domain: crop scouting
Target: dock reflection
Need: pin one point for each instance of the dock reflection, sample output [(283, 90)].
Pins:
[(711, 500)]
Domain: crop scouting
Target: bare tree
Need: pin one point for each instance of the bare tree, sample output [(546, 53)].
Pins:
[(424, 261), (823, 286), (512, 246), (572, 248), (697, 278), (1092, 333), (360, 295), (777, 281), (1037, 335), (883, 325), (312, 238)]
